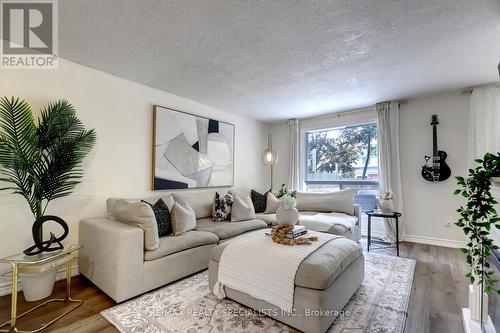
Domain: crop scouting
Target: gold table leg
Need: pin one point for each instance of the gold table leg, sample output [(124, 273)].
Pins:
[(67, 299)]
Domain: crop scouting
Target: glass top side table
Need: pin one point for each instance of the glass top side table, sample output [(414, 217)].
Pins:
[(390, 215), (21, 263)]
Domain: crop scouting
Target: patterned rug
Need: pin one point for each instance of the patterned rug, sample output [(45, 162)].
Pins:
[(379, 305)]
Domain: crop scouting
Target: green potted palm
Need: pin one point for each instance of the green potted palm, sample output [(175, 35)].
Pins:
[(477, 218), (41, 161)]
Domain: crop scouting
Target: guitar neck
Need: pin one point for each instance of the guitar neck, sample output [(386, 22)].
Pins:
[(434, 141)]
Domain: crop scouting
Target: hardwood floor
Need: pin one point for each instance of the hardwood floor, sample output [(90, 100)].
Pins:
[(438, 294)]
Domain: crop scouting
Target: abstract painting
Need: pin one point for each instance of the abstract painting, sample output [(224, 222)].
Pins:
[(190, 151)]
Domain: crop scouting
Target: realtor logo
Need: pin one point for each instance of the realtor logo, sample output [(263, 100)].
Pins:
[(29, 34)]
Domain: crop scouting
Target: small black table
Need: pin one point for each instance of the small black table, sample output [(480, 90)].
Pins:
[(392, 215)]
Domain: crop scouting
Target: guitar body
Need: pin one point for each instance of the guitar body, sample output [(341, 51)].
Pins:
[(444, 169), (437, 170)]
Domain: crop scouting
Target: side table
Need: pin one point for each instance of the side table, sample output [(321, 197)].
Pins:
[(39, 263), (392, 215)]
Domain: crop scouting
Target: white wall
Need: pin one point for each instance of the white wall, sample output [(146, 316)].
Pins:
[(120, 164), (428, 206)]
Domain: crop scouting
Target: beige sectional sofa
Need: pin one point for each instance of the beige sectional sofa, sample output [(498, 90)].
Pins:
[(114, 257), (125, 260)]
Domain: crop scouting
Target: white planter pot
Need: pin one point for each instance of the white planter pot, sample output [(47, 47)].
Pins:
[(287, 216), (386, 206), (37, 286)]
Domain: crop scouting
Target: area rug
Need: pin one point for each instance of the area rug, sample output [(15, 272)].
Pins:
[(379, 305)]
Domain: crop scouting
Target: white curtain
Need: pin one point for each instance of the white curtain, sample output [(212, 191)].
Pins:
[(293, 178), (389, 164), (484, 122)]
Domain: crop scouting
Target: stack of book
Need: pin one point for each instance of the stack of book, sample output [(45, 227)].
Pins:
[(298, 230)]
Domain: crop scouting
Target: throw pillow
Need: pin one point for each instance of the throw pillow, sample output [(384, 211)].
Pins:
[(259, 201), (138, 214), (162, 215), (242, 209), (183, 217), (340, 201), (221, 210), (272, 203)]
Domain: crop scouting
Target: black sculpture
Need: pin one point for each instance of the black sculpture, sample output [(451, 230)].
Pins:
[(46, 246)]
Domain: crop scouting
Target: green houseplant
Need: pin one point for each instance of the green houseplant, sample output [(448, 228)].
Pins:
[(477, 218), (42, 160)]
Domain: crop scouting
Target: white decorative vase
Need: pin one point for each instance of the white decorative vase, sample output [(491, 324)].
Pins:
[(37, 286), (287, 216), (386, 206)]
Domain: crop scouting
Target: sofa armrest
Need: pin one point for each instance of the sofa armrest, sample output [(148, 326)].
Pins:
[(358, 212), (112, 256)]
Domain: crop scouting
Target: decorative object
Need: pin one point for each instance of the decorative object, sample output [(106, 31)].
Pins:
[(477, 217), (386, 205), (438, 171), (191, 151), (41, 264), (270, 157), (221, 209), (279, 236), (42, 161), (46, 246), (391, 215), (381, 304), (287, 214), (284, 191)]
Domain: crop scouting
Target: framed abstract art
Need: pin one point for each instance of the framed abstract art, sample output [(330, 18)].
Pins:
[(191, 151)]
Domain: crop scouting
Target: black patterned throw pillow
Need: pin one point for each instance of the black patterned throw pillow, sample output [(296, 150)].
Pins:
[(259, 201), (222, 207), (162, 216)]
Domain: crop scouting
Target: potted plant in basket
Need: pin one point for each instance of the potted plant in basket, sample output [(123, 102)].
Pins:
[(41, 162), (477, 217)]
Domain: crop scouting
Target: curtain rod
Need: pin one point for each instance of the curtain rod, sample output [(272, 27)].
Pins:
[(338, 114), (470, 89)]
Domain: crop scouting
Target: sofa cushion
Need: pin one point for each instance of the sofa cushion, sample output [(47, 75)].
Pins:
[(162, 215), (200, 201), (168, 199), (334, 223), (268, 218), (259, 201), (183, 217), (222, 207), (320, 268), (174, 244), (242, 209), (225, 230), (136, 213), (341, 201), (272, 203)]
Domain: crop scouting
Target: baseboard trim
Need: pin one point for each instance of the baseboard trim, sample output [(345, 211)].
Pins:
[(422, 239), (6, 287), (435, 241)]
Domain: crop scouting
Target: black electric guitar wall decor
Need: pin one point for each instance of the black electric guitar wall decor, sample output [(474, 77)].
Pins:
[(438, 170)]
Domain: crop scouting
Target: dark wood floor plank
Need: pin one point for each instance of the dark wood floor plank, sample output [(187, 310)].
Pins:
[(438, 293)]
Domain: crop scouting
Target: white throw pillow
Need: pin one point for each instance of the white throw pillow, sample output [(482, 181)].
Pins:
[(272, 203), (183, 217), (243, 209), (136, 213), (341, 201)]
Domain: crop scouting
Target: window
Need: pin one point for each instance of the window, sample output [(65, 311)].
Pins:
[(344, 157)]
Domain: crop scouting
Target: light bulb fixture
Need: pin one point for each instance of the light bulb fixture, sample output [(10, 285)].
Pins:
[(270, 156)]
